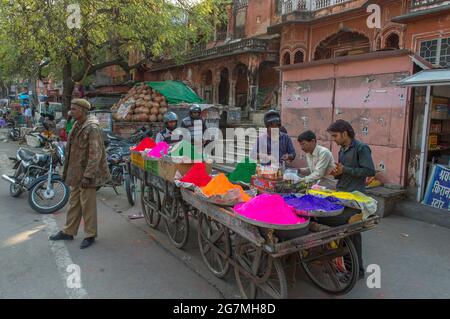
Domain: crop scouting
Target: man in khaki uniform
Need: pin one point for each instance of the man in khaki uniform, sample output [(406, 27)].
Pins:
[(85, 168)]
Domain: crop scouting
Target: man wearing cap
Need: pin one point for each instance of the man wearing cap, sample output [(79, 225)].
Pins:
[(85, 168)]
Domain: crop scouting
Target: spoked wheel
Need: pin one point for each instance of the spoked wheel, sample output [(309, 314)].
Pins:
[(332, 267), (152, 216), (48, 200), (211, 236), (262, 276), (176, 222)]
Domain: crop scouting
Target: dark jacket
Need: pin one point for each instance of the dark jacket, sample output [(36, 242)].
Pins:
[(358, 165)]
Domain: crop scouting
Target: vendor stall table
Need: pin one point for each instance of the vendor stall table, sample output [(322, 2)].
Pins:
[(262, 254)]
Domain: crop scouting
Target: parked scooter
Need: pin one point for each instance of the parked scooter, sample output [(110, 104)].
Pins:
[(37, 174)]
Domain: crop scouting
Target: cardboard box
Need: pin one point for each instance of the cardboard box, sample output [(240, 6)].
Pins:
[(168, 170), (137, 159)]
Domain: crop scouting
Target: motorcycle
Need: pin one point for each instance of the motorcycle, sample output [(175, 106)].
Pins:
[(37, 174), (118, 157)]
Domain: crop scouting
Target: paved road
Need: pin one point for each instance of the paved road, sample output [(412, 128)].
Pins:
[(131, 261)]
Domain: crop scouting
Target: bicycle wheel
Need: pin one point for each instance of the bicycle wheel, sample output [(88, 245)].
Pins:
[(333, 267)]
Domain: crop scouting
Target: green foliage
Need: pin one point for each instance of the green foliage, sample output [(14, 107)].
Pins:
[(31, 30)]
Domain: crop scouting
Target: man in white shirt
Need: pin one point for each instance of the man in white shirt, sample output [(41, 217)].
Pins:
[(320, 159)]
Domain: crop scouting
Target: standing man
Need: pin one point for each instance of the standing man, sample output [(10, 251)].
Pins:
[(272, 120), (28, 115), (355, 165), (85, 168), (320, 159)]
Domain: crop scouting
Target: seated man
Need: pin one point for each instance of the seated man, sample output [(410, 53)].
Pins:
[(319, 158)]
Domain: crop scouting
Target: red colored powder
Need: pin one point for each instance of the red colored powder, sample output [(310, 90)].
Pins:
[(146, 143), (197, 175)]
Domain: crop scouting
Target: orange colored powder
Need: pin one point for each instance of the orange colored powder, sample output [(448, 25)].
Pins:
[(220, 185)]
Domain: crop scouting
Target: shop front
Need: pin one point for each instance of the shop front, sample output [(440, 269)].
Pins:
[(429, 158)]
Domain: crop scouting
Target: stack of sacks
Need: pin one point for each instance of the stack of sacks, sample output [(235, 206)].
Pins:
[(271, 209), (145, 144), (243, 171), (220, 185), (197, 176)]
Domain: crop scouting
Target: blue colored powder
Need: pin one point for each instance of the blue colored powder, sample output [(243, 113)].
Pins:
[(310, 202)]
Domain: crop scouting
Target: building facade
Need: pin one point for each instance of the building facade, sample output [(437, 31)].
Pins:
[(322, 60)]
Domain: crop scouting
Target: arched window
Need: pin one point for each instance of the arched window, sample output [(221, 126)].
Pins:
[(299, 57), (392, 41), (287, 58)]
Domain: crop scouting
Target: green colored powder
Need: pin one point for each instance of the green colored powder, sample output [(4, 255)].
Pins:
[(243, 171)]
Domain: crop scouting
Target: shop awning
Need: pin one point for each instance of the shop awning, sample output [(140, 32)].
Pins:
[(434, 77)]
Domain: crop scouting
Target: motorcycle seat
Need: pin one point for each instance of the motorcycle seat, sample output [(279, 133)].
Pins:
[(25, 155)]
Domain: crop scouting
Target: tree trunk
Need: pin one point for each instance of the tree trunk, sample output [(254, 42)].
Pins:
[(68, 87)]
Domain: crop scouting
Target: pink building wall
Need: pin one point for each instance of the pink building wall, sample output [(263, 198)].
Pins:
[(360, 92)]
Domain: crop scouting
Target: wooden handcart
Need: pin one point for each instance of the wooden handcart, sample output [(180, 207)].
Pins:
[(260, 259)]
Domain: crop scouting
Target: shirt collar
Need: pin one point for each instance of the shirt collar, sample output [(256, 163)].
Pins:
[(316, 151), (352, 144)]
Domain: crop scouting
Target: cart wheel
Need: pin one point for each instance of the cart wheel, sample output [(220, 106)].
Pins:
[(152, 217), (270, 281), (212, 234), (333, 267), (177, 224)]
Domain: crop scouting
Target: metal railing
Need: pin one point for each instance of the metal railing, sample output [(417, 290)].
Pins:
[(245, 44), (289, 6)]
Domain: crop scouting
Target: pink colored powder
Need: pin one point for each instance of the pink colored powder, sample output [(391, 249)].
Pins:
[(161, 149), (270, 209)]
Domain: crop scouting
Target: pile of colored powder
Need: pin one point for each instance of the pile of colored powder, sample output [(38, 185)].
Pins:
[(145, 144), (355, 196), (243, 171), (197, 175), (220, 185), (161, 149), (310, 202), (185, 149), (269, 209)]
